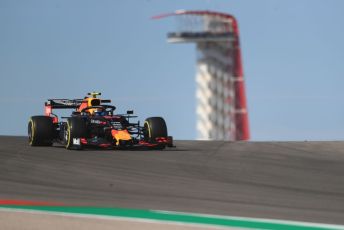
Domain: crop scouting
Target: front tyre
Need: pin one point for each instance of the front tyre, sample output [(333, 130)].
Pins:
[(75, 129), (155, 127), (40, 131)]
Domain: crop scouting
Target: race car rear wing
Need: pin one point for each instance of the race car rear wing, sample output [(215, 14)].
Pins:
[(64, 103), (51, 104)]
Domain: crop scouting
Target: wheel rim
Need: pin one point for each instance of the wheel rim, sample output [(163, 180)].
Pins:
[(30, 132), (67, 135), (147, 132)]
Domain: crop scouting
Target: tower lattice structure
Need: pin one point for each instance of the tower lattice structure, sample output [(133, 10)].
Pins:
[(220, 93)]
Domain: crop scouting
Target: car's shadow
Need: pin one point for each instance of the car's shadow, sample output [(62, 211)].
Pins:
[(143, 149)]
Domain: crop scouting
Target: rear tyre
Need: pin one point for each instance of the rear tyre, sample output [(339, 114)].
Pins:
[(40, 131), (75, 128), (155, 127)]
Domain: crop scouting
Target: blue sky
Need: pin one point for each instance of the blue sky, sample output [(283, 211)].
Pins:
[(293, 54)]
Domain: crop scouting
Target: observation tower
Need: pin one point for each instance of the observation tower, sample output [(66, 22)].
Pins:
[(220, 92)]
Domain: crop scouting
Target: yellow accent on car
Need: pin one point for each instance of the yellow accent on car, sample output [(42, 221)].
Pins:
[(32, 131), (68, 135), (121, 135), (149, 129), (95, 94)]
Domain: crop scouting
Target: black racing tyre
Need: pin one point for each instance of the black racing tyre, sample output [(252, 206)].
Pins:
[(155, 127), (40, 131), (76, 127)]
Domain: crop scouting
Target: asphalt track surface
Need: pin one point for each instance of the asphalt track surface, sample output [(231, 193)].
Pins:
[(301, 181)]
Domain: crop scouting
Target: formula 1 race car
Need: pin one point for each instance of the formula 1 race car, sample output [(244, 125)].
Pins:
[(94, 123)]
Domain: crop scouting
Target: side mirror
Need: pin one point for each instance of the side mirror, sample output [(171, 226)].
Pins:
[(130, 112)]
